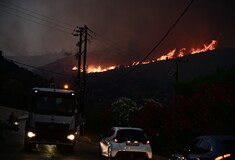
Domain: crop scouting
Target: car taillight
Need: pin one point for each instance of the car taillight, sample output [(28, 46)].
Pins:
[(227, 155), (223, 157), (115, 140), (148, 142), (147, 155)]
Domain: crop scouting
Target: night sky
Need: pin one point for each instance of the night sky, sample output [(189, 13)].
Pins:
[(126, 30)]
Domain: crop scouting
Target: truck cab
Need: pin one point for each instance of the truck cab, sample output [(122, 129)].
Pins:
[(51, 119)]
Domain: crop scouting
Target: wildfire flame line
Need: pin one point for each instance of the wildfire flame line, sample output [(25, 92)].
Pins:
[(172, 54)]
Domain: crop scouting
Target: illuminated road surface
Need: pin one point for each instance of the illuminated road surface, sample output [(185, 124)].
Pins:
[(12, 148)]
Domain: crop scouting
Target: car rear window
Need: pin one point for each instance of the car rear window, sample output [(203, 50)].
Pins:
[(131, 135), (229, 145)]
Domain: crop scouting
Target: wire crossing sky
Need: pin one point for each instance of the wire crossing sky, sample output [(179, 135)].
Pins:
[(124, 31)]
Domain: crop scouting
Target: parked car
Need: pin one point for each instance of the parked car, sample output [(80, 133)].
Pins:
[(210, 147), (122, 142)]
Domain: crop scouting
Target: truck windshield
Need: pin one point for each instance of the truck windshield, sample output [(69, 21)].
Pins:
[(54, 103)]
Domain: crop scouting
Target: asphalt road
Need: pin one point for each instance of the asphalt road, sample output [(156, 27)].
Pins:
[(11, 146)]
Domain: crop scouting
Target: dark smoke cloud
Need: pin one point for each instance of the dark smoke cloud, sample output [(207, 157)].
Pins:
[(134, 25)]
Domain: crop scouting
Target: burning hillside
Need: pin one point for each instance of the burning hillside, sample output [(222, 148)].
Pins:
[(172, 54)]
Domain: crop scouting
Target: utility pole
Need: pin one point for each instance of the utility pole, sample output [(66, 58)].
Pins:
[(177, 61), (81, 74)]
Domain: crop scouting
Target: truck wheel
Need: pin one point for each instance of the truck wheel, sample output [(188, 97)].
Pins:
[(59, 147), (28, 146), (65, 148), (69, 149)]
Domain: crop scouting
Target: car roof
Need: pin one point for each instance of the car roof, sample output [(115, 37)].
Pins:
[(130, 128), (218, 137)]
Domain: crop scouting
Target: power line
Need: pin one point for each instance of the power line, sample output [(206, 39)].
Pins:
[(161, 40), (56, 24), (59, 21), (110, 44), (69, 26), (14, 47), (114, 44), (44, 70), (18, 49), (105, 43), (42, 24), (102, 39), (107, 46)]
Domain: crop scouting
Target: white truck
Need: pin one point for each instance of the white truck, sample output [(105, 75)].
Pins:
[(51, 119)]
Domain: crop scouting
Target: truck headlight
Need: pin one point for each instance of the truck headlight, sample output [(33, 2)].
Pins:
[(71, 137), (31, 134)]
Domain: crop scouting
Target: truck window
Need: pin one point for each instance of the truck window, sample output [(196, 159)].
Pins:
[(54, 103)]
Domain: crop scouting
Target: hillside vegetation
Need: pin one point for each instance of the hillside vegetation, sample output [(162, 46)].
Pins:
[(16, 83), (202, 106)]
